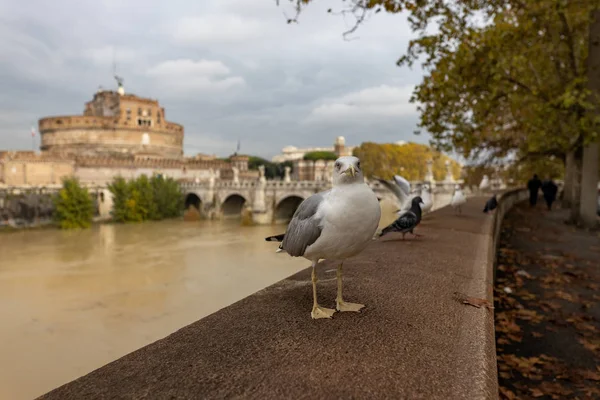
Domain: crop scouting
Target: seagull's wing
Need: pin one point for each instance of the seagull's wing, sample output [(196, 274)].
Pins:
[(304, 228), (403, 183), (398, 192)]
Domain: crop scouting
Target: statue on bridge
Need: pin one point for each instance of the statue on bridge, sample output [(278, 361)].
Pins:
[(286, 176)]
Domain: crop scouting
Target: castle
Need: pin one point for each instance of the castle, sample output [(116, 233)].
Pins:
[(118, 134)]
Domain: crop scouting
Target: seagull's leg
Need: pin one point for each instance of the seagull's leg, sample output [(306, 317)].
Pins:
[(318, 311), (341, 305)]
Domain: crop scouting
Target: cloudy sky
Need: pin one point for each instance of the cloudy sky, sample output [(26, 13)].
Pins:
[(225, 69)]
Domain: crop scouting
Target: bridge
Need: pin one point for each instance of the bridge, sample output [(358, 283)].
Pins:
[(275, 201)]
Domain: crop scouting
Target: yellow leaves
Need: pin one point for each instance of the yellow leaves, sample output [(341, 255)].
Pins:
[(408, 160)]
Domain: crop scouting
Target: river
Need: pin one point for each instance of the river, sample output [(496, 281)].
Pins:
[(71, 302)]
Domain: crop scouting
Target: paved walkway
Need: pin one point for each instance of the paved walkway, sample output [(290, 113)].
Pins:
[(547, 307), (413, 340)]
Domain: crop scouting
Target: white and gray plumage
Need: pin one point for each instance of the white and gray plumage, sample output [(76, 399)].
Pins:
[(485, 183), (334, 224), (400, 187), (491, 204), (408, 221), (458, 199), (427, 197)]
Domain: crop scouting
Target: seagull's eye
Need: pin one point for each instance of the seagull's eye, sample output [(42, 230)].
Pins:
[(358, 165), (337, 165)]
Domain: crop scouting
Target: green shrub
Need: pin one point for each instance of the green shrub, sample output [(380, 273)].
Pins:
[(73, 206), (145, 199), (320, 155)]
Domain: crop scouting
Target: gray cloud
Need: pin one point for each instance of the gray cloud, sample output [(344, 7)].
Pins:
[(225, 69)]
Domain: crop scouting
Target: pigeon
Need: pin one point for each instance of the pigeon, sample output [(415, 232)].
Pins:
[(458, 199), (335, 224), (491, 204), (408, 221)]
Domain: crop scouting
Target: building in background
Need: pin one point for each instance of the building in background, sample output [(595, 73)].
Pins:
[(118, 134), (292, 153)]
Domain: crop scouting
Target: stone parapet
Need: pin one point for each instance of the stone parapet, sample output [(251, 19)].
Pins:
[(414, 340)]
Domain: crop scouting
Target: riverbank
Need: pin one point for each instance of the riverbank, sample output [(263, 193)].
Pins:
[(414, 339), (547, 307)]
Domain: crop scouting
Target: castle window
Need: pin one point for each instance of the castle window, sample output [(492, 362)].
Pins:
[(140, 111), (158, 117), (128, 114), (149, 112)]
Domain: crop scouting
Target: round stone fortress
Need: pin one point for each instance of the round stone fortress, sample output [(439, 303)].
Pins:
[(114, 123)]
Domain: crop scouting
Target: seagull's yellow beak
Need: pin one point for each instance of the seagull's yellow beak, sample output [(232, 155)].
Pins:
[(351, 170)]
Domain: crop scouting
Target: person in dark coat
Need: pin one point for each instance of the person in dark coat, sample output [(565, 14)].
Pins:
[(533, 186), (549, 189)]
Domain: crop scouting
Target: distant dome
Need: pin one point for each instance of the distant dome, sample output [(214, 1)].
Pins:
[(340, 141), (289, 149), (400, 142)]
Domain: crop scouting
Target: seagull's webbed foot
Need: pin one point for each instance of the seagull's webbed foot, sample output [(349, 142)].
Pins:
[(340, 304), (319, 312)]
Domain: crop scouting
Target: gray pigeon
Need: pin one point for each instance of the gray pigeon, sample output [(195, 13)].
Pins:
[(406, 222)]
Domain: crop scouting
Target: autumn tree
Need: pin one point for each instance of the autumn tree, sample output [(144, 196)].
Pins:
[(513, 85), (409, 160)]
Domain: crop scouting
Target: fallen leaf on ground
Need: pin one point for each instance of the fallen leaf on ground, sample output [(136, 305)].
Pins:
[(535, 392), (473, 301)]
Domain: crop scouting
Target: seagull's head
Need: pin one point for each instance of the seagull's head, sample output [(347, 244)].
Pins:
[(347, 170)]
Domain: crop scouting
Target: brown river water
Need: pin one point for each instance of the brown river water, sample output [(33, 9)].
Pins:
[(71, 302)]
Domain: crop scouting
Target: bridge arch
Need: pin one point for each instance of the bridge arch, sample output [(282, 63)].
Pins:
[(285, 209), (192, 199), (232, 205)]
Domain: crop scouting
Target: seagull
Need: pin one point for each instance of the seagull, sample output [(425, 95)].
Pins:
[(402, 190), (408, 221), (485, 183), (458, 199), (427, 197), (491, 204), (334, 224)]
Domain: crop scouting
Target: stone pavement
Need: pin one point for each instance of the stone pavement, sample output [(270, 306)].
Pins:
[(413, 340)]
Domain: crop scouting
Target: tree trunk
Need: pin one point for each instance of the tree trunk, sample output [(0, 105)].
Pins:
[(589, 186), (576, 184), (589, 178), (567, 199)]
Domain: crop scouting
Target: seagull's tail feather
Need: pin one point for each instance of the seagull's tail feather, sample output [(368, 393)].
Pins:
[(276, 238)]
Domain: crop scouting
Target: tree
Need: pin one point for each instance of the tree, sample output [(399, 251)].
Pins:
[(272, 170), (516, 85), (73, 205), (320, 155), (408, 160), (145, 199)]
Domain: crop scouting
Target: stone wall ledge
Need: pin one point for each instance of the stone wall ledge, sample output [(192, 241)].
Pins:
[(414, 339)]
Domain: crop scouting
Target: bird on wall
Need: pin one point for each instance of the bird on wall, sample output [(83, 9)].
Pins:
[(458, 199), (427, 197), (335, 224), (401, 188), (491, 204), (408, 221), (484, 184)]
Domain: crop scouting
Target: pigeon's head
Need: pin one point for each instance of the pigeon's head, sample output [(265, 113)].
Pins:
[(347, 170), (425, 187), (417, 201), (457, 187)]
